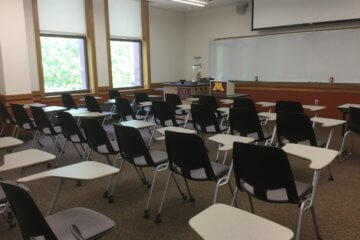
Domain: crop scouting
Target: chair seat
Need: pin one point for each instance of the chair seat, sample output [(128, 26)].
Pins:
[(280, 195), (91, 224), (219, 169), (57, 129), (306, 142), (254, 135), (211, 129), (158, 157)]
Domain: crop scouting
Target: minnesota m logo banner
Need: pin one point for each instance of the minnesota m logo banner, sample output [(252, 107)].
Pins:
[(218, 86)]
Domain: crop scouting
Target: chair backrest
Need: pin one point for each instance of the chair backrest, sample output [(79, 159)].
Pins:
[(289, 106), (131, 144), (295, 127), (68, 101), (245, 121), (96, 135), (69, 126), (173, 100), (41, 120), (141, 97), (124, 108), (354, 121), (91, 104), (31, 222), (204, 116), (244, 103), (264, 169), (187, 152), (4, 114), (114, 94), (209, 100), (163, 112), (21, 116)]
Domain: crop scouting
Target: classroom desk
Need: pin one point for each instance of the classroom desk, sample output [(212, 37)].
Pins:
[(192, 99), (224, 110), (228, 140), (173, 129), (141, 125), (221, 221), (227, 101), (34, 105), (96, 97), (9, 142), (51, 109), (344, 109), (83, 171), (26, 158), (328, 123), (266, 104), (312, 108)]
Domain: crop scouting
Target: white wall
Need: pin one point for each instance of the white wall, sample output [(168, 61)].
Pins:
[(167, 45), (2, 82), (14, 47)]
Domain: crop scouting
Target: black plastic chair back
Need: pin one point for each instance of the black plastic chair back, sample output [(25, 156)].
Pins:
[(141, 97), (173, 100), (295, 127), (162, 113), (42, 121), (187, 152), (96, 135), (124, 108), (209, 100), (354, 121), (114, 94), (244, 103), (131, 144), (69, 126), (91, 104), (31, 222), (289, 106), (68, 101), (21, 116), (264, 169), (245, 121), (4, 114), (204, 116)]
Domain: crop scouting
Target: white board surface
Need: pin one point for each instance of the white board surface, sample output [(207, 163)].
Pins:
[(292, 57)]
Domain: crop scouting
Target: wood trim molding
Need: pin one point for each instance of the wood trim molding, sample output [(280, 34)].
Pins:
[(108, 48), (91, 51), (146, 43)]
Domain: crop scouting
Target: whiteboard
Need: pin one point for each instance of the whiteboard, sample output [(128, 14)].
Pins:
[(291, 57)]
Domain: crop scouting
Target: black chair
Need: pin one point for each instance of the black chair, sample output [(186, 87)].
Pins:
[(92, 104), (23, 121), (289, 106), (124, 109), (68, 101), (353, 126), (71, 132), (211, 102), (246, 122), (163, 113), (5, 118), (75, 223), (244, 103), (204, 119), (188, 158), (141, 97), (174, 100), (113, 94), (265, 173), (135, 152)]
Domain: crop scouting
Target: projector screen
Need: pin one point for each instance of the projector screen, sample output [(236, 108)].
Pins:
[(280, 13)]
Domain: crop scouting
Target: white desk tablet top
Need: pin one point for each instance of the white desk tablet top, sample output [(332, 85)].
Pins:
[(175, 129), (155, 96), (112, 101), (270, 115), (9, 142), (314, 108), (224, 222), (227, 101), (184, 106), (25, 158), (96, 97), (225, 110), (319, 157), (145, 104), (192, 99), (266, 104), (88, 170), (228, 140), (328, 122), (137, 124), (53, 109), (348, 105), (92, 114), (75, 112), (34, 105)]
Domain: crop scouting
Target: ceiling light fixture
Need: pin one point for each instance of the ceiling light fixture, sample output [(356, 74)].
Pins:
[(198, 3)]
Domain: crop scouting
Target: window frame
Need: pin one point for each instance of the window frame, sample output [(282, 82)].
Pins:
[(141, 62), (86, 57)]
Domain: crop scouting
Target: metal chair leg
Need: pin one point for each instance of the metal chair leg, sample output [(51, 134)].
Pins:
[(109, 161), (341, 158), (317, 230), (61, 153), (178, 188), (192, 199), (106, 194), (158, 218), (234, 196), (232, 192), (251, 204), (146, 182), (76, 149), (15, 128), (2, 129), (300, 220), (331, 177)]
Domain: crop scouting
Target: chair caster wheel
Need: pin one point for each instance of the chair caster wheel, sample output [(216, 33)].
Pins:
[(146, 214), (111, 199), (184, 197), (106, 194), (12, 225), (192, 199), (331, 179), (148, 185), (78, 183), (48, 165), (158, 219)]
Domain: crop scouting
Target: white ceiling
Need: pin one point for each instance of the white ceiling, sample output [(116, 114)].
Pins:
[(168, 4)]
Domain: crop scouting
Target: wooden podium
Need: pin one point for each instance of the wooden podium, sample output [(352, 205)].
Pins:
[(222, 88)]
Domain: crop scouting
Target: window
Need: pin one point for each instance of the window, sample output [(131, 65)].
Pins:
[(64, 63), (126, 61)]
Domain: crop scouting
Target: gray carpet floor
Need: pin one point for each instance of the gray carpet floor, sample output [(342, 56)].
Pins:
[(337, 203)]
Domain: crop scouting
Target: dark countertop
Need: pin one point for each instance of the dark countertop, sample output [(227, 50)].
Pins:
[(186, 84), (230, 96)]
